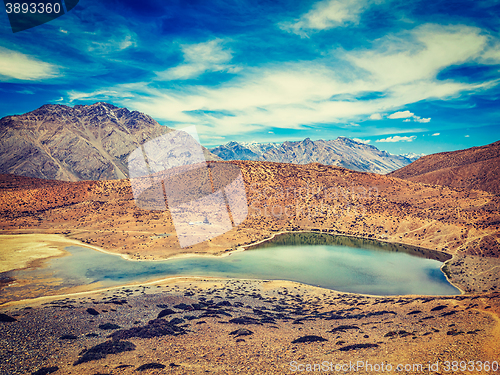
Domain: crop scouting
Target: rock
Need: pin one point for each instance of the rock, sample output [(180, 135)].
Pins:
[(109, 326), (7, 318), (68, 337), (165, 312), (92, 311), (357, 346), (310, 338), (343, 328), (241, 332), (440, 307), (46, 370), (102, 350), (148, 366), (245, 320)]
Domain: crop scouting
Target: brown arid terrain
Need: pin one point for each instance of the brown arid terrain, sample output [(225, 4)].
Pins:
[(473, 168), (233, 326), (281, 197), (199, 326)]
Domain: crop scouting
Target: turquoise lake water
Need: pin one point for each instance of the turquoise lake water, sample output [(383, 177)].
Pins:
[(336, 262)]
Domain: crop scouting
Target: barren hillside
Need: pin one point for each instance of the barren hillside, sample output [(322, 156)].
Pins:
[(281, 197), (473, 168)]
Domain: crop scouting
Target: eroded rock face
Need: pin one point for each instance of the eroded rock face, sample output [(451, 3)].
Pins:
[(86, 142)]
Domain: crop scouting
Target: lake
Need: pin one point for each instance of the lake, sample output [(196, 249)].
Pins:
[(341, 263)]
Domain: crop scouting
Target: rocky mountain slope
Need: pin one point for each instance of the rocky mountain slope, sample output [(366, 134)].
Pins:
[(342, 152), (473, 168), (86, 142)]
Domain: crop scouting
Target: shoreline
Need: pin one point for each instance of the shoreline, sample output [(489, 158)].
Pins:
[(191, 255)]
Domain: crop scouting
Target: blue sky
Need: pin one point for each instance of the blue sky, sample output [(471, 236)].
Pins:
[(420, 76)]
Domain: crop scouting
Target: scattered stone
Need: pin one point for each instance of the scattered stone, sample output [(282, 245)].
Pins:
[(109, 326), (7, 319), (310, 338), (183, 306), (165, 312), (245, 320), (154, 328), (400, 333), (343, 328), (177, 321), (68, 337), (102, 350), (414, 312), (92, 311), (440, 307), (454, 332), (46, 370), (148, 366), (448, 313), (241, 332), (357, 346)]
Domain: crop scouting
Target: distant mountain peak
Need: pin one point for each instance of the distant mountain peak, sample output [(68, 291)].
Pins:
[(342, 152)]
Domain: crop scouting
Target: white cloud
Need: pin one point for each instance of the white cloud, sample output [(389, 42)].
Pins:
[(328, 14), (436, 134), (408, 116), (420, 54), (397, 138), (15, 65), (200, 58), (467, 136), (401, 114), (291, 95), (376, 116), (365, 141), (423, 120)]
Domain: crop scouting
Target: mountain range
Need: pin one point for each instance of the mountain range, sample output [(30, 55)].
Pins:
[(342, 152), (84, 142)]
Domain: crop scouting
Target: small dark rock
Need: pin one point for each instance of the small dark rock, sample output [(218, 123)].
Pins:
[(165, 312), (440, 307), (92, 311), (310, 338), (343, 328), (148, 366), (244, 320), (357, 346), (414, 312), (7, 319), (109, 326), (68, 337), (177, 321), (102, 350), (46, 370), (241, 332)]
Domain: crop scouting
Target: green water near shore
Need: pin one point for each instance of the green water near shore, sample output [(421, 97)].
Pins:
[(336, 262)]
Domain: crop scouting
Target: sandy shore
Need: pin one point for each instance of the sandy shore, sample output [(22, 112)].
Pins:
[(19, 250)]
